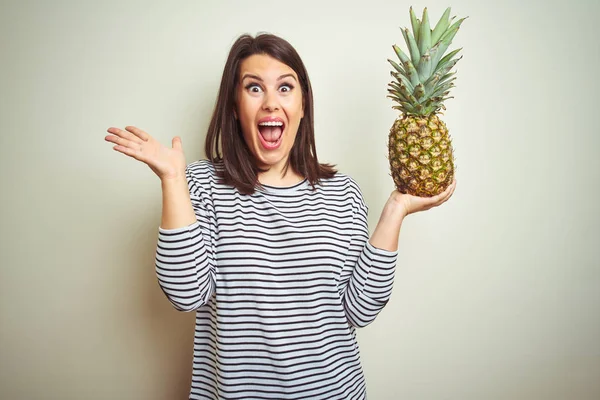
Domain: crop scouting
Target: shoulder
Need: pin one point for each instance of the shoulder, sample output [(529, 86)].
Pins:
[(202, 174), (201, 168), (342, 181), (344, 186)]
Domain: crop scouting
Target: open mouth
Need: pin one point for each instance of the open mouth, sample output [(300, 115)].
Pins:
[(271, 134)]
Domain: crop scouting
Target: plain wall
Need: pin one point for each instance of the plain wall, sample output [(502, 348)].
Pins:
[(497, 292)]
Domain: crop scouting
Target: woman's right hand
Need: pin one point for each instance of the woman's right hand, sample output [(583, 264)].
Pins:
[(167, 163)]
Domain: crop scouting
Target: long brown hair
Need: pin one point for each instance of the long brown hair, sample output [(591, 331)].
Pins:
[(225, 141)]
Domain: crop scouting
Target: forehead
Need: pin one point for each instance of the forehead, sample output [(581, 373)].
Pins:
[(265, 66)]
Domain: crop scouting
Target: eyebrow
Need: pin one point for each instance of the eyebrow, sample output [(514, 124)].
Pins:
[(258, 78)]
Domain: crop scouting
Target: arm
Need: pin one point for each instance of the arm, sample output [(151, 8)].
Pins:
[(387, 231), (177, 209), (184, 261), (371, 264), (185, 264), (368, 271), (397, 207)]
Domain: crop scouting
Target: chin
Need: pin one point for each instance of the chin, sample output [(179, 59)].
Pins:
[(269, 160)]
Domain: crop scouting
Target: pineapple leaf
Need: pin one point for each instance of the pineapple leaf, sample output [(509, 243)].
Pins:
[(413, 76), (440, 99), (432, 89), (447, 37), (441, 26), (445, 68), (403, 57), (393, 86), (423, 78), (447, 57), (428, 67), (396, 91), (392, 93), (433, 52), (402, 78), (403, 103), (432, 82), (396, 87), (407, 106), (436, 81), (442, 90), (451, 32), (413, 48), (411, 72), (444, 85), (397, 66), (400, 108), (419, 92), (424, 33), (425, 67), (406, 93), (454, 28), (446, 78), (416, 24)]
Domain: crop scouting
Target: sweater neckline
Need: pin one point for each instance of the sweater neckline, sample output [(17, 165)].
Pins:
[(284, 189)]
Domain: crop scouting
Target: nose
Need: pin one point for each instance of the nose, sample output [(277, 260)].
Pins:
[(271, 102)]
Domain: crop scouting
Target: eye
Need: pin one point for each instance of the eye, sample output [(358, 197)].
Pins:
[(253, 88), (286, 87)]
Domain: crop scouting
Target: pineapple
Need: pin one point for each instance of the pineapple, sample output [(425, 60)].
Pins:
[(420, 150)]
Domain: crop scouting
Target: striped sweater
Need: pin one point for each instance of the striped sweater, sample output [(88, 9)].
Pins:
[(279, 280)]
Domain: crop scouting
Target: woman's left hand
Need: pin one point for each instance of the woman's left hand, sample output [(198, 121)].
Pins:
[(411, 204)]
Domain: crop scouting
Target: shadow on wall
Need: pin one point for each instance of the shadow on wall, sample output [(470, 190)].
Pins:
[(160, 337), (156, 336)]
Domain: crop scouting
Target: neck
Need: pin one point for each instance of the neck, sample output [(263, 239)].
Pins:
[(275, 177)]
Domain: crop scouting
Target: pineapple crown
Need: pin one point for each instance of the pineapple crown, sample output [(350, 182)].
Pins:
[(423, 80)]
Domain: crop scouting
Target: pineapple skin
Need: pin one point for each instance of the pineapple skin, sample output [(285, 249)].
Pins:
[(420, 155)]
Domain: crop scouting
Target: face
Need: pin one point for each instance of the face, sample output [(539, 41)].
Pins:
[(269, 107)]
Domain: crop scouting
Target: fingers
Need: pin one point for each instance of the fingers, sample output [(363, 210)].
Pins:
[(134, 153), (124, 142), (176, 142), (446, 194), (138, 132), (442, 197), (125, 135), (453, 188)]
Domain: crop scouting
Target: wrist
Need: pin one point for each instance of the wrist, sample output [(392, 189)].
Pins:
[(395, 210), (174, 183)]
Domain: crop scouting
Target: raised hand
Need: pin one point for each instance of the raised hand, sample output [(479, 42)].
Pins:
[(412, 204), (167, 163)]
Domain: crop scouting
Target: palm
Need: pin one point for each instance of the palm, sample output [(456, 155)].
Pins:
[(413, 204), (164, 161)]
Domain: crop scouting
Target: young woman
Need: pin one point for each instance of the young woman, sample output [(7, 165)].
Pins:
[(269, 247)]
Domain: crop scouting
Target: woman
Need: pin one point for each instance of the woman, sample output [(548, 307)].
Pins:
[(269, 247)]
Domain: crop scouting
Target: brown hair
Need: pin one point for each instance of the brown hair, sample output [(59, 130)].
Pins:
[(224, 140)]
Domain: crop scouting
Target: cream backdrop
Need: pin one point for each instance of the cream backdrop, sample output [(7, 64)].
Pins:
[(497, 292)]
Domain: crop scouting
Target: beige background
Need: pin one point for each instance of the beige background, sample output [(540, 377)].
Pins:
[(497, 294)]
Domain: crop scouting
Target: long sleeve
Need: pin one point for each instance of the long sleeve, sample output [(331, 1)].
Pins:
[(367, 275), (185, 262)]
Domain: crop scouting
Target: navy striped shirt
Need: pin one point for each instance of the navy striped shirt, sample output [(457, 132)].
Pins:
[(279, 280)]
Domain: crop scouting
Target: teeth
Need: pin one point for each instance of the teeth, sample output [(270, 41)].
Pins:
[(274, 123)]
